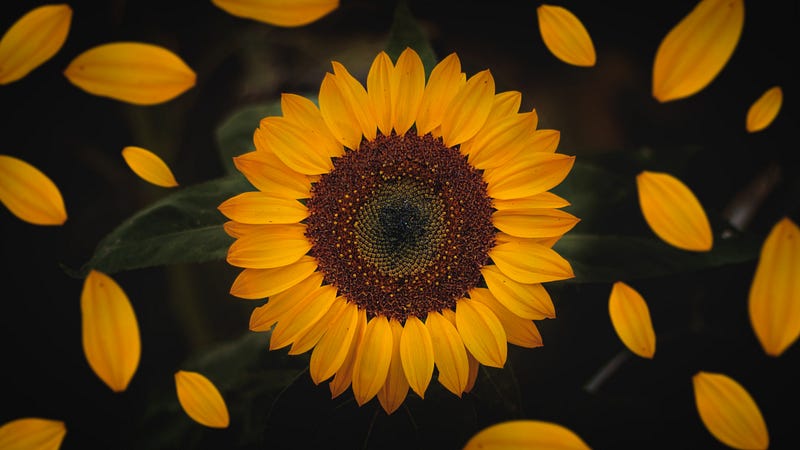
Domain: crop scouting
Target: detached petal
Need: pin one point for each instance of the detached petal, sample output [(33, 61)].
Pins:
[(775, 292), (416, 353), (149, 166), (673, 212), (729, 412), (29, 194), (111, 340), (133, 72), (468, 110), (526, 434), (282, 13), (201, 400), (449, 353), (565, 36), (372, 360), (482, 332), (696, 50), (764, 110), (631, 319), (32, 433), (32, 40)]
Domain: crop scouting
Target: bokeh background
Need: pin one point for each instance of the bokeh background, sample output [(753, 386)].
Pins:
[(583, 378)]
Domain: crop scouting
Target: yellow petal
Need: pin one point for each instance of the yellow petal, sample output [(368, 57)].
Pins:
[(263, 209), (332, 349), (149, 166), (265, 316), (526, 434), (697, 48), (519, 331), (544, 141), (372, 361), (523, 177), (110, 332), (282, 13), (499, 143), (729, 412), (304, 112), (379, 88), (357, 99), (395, 389), (201, 400), (631, 319), (774, 302), (526, 261), (673, 212), (32, 433), (443, 85), (281, 247), (267, 173), (32, 40), (262, 283), (344, 374), (237, 229), (309, 338), (529, 301), (29, 194), (416, 353), (482, 332), (468, 110), (294, 145), (133, 72), (449, 353), (534, 223), (505, 105), (764, 110), (565, 36), (540, 200), (303, 315), (408, 85), (338, 115)]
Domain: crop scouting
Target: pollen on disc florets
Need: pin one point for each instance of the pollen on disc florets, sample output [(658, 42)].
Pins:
[(401, 226)]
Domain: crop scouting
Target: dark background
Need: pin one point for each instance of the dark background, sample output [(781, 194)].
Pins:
[(604, 113)]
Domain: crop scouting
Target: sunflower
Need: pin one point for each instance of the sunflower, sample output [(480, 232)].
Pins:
[(400, 230)]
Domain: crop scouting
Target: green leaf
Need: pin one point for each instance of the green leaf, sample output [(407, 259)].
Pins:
[(180, 228), (406, 32), (235, 135)]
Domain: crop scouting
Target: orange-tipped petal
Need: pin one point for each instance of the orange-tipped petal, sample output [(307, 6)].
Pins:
[(408, 85), (32, 40), (111, 340), (262, 209), (443, 85), (565, 36), (526, 434), (29, 194), (449, 353), (468, 110), (149, 166), (416, 353), (262, 283), (372, 361), (482, 332), (282, 13), (729, 412), (529, 262), (201, 400), (133, 72), (764, 110), (32, 433), (379, 88), (631, 319), (673, 212), (774, 302), (395, 389), (697, 48)]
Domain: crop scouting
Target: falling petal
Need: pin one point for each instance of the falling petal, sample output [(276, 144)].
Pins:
[(631, 319), (673, 212), (729, 412), (29, 194), (201, 400), (133, 72), (697, 48), (149, 166), (282, 13), (775, 292), (32, 40), (526, 434), (111, 340), (565, 36), (32, 433), (764, 110)]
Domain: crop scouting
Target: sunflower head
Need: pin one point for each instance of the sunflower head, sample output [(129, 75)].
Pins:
[(400, 229)]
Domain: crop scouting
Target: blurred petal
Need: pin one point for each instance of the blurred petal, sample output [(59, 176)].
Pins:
[(728, 411), (565, 36), (482, 332), (32, 433), (443, 84), (697, 48), (416, 353), (133, 72), (32, 40), (262, 283), (468, 110), (201, 400), (263, 209), (449, 353), (379, 88), (526, 434), (631, 319), (528, 175), (408, 85), (764, 110), (526, 261), (774, 303), (372, 360), (395, 389), (149, 166), (673, 212), (29, 194), (281, 247), (111, 340), (282, 13)]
